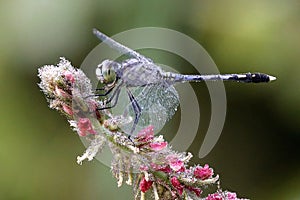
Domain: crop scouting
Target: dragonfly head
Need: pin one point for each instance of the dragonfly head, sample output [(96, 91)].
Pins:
[(106, 72)]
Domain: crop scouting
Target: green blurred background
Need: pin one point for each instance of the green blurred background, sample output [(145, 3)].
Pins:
[(257, 154)]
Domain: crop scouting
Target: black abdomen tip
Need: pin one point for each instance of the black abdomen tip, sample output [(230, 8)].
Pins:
[(261, 78)]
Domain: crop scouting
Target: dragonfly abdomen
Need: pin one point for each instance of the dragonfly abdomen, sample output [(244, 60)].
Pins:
[(245, 78)]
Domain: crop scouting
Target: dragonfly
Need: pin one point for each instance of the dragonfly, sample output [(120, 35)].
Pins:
[(153, 98)]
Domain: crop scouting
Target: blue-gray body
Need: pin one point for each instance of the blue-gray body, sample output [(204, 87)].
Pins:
[(136, 73), (154, 99)]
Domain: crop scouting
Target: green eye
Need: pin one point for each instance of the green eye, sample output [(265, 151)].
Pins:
[(109, 76)]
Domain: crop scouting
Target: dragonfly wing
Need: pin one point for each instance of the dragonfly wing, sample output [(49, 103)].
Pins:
[(158, 103), (119, 47)]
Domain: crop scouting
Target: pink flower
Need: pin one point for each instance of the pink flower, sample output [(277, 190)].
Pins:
[(67, 109), (92, 104), (231, 195), (197, 191), (145, 185), (85, 126), (175, 182), (157, 146), (175, 163), (61, 93), (69, 77), (222, 196), (163, 168), (215, 196), (144, 168), (182, 169), (146, 134), (203, 172)]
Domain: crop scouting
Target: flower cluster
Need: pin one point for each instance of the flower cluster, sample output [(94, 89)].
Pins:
[(155, 170)]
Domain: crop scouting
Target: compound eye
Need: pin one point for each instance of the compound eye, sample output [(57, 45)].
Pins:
[(109, 75)]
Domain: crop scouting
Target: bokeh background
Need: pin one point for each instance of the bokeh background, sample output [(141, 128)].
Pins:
[(258, 152)]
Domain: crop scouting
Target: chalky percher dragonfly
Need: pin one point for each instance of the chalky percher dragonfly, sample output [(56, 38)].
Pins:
[(152, 96)]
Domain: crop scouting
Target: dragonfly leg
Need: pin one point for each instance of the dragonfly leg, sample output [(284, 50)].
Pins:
[(105, 94), (100, 95), (137, 110), (116, 95), (117, 91), (97, 89)]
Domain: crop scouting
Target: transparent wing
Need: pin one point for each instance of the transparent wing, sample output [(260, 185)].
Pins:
[(158, 104), (119, 47)]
